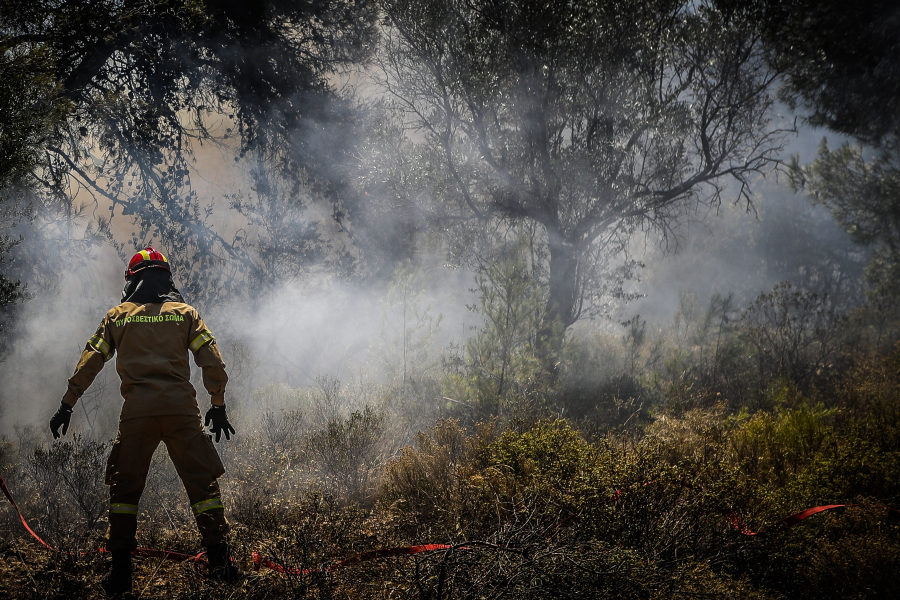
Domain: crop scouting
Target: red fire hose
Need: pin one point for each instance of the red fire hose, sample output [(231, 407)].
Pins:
[(260, 561)]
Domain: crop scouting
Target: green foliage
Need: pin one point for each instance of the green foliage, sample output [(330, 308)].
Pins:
[(500, 372), (545, 492), (835, 58), (718, 354), (777, 447), (10, 291), (838, 62), (861, 193), (549, 456), (854, 558), (29, 109)]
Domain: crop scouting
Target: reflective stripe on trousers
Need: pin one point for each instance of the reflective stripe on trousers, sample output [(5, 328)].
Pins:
[(119, 508), (205, 505)]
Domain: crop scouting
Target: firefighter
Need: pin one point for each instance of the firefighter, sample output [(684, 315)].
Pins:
[(151, 333)]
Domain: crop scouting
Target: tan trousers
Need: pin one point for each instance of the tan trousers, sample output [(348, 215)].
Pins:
[(195, 459)]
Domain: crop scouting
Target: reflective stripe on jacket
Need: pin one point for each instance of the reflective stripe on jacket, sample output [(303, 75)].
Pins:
[(151, 343)]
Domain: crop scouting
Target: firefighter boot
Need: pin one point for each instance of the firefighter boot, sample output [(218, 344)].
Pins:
[(117, 582), (221, 566)]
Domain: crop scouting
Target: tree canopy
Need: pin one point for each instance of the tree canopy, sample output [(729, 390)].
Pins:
[(840, 63), (581, 121), (141, 85)]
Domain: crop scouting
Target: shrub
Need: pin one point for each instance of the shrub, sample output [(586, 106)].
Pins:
[(423, 482), (499, 373), (69, 480), (774, 447), (793, 333), (345, 454)]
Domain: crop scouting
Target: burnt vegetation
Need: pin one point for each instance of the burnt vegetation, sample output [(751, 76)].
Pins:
[(551, 451), (648, 488)]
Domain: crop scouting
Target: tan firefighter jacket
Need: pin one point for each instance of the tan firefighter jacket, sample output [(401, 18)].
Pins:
[(152, 342)]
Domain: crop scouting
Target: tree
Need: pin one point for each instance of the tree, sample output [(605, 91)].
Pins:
[(145, 83), (28, 111), (26, 94), (864, 198), (840, 62), (579, 122), (498, 372)]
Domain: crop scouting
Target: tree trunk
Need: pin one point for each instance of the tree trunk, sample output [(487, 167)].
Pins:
[(562, 306)]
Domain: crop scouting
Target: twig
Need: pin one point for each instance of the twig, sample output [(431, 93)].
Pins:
[(27, 570), (165, 510), (150, 579), (465, 404)]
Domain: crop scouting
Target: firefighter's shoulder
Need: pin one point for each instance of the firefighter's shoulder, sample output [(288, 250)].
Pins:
[(181, 308)]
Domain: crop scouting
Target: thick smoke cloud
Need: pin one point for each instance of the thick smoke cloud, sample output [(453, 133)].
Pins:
[(746, 251), (294, 334), (51, 331), (302, 330), (298, 334)]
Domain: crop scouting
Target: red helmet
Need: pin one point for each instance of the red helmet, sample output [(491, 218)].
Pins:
[(146, 258)]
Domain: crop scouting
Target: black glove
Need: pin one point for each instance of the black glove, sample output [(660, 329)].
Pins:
[(62, 417), (216, 415)]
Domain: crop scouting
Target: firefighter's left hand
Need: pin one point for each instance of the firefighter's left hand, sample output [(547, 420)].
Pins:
[(62, 417), (219, 419)]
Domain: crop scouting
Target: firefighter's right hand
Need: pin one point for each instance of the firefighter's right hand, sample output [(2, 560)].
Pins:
[(62, 417), (219, 419)]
